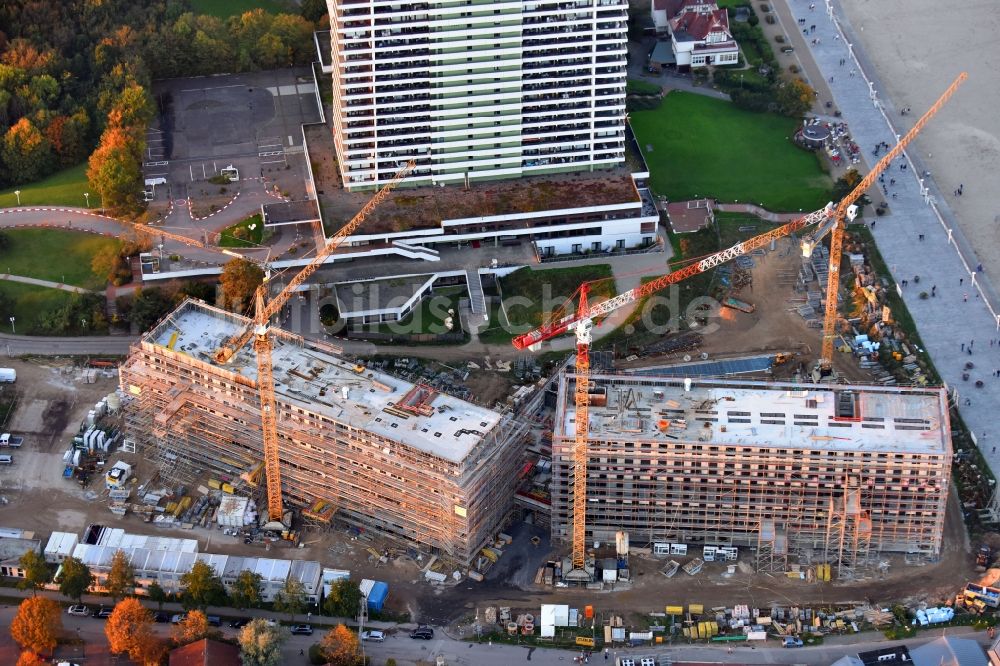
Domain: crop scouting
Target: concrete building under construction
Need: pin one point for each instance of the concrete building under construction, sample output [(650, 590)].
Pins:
[(830, 473), (358, 445)]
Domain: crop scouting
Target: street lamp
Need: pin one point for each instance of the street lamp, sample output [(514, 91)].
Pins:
[(12, 325), (17, 193), (86, 195)]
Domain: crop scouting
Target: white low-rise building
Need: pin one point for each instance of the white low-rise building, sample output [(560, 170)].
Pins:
[(166, 568), (699, 32), (60, 546)]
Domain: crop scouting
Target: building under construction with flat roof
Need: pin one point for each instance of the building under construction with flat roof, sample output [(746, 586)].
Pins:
[(831, 473), (358, 445)]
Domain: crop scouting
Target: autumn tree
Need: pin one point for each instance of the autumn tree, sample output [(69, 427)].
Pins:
[(25, 152), (240, 279), (129, 629), (108, 264), (291, 599), (344, 599), (245, 591), (193, 627), (29, 658), (114, 170), (36, 572), (795, 98), (37, 625), (156, 593), (260, 643), (202, 587), (74, 579), (121, 577), (340, 646)]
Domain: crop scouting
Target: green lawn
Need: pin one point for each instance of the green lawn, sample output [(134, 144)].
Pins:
[(706, 147), (226, 8), (30, 302), (640, 87), (529, 293), (54, 254), (429, 316), (64, 188), (252, 237)]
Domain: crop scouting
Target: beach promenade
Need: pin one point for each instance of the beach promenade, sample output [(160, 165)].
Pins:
[(919, 238)]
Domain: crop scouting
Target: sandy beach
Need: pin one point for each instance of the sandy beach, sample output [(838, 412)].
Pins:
[(918, 47)]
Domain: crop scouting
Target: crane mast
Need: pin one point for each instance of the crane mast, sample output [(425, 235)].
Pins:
[(263, 344), (830, 220)]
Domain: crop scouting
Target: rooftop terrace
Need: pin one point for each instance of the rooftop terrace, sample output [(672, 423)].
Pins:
[(311, 376), (425, 207), (905, 420)]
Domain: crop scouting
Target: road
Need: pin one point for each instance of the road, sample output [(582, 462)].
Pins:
[(407, 651), (25, 345)]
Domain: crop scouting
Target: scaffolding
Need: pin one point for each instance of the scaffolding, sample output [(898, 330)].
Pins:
[(840, 472), (438, 481)]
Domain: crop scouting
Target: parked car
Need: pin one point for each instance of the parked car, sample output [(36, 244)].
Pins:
[(792, 642), (241, 622), (161, 617), (302, 629), (103, 613), (423, 633), (79, 609), (374, 636), (214, 620), (178, 618)]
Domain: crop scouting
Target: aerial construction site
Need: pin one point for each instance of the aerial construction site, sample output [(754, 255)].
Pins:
[(366, 447)]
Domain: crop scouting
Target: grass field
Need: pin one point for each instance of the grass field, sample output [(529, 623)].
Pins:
[(64, 188), (226, 8), (429, 316), (252, 238), (528, 293), (706, 147), (55, 255), (30, 303), (641, 87)]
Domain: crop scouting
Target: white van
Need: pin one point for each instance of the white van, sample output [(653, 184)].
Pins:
[(6, 459)]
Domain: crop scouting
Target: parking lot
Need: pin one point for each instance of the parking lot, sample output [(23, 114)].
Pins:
[(249, 121)]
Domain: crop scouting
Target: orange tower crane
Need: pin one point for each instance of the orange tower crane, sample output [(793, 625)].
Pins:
[(263, 345), (581, 319)]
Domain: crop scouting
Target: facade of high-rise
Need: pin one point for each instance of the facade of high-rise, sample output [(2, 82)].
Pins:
[(841, 472), (477, 90)]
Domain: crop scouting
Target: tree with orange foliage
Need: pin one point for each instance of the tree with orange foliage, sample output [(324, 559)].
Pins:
[(129, 628), (193, 627), (29, 658), (37, 624), (340, 647)]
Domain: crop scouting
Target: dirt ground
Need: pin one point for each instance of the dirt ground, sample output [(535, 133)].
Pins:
[(773, 327)]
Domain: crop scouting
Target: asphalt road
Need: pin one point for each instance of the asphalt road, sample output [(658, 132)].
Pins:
[(408, 651), (23, 345)]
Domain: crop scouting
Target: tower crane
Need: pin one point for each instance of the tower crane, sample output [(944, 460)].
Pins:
[(264, 310), (580, 319), (258, 329)]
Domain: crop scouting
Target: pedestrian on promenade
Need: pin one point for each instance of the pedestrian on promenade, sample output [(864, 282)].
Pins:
[(933, 290), (961, 188), (962, 347), (893, 195), (968, 402), (892, 181), (965, 298), (960, 281), (971, 342)]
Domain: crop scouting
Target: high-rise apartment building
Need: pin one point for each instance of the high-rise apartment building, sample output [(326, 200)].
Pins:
[(477, 90)]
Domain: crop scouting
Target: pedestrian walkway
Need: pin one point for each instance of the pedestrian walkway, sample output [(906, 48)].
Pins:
[(919, 238), (477, 300), (44, 283), (762, 213)]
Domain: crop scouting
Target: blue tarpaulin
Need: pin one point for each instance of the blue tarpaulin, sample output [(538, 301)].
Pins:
[(377, 596)]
